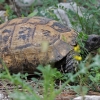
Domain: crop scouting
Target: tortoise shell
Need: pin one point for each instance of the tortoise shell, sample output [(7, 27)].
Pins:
[(21, 42)]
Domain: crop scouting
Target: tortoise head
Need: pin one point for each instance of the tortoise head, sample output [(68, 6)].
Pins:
[(93, 42)]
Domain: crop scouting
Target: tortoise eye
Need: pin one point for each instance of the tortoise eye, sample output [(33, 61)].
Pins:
[(95, 39)]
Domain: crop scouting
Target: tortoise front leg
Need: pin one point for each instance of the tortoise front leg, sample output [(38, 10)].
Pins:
[(67, 64), (70, 64)]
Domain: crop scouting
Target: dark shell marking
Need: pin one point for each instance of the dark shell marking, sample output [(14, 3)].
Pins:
[(20, 41), (60, 28)]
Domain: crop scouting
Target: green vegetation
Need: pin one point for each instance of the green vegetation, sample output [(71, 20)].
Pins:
[(87, 76)]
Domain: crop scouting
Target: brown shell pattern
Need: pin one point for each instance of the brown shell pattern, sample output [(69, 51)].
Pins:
[(21, 39)]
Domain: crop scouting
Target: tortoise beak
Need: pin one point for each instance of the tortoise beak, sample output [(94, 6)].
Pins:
[(93, 42)]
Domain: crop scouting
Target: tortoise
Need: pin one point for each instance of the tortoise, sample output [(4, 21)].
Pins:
[(21, 44)]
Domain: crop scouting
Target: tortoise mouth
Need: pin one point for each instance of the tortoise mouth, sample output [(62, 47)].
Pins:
[(92, 47)]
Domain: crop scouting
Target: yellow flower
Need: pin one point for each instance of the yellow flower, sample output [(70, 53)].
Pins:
[(78, 58), (77, 48)]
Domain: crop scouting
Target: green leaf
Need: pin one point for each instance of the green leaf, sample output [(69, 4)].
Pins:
[(32, 14), (81, 90), (2, 1)]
